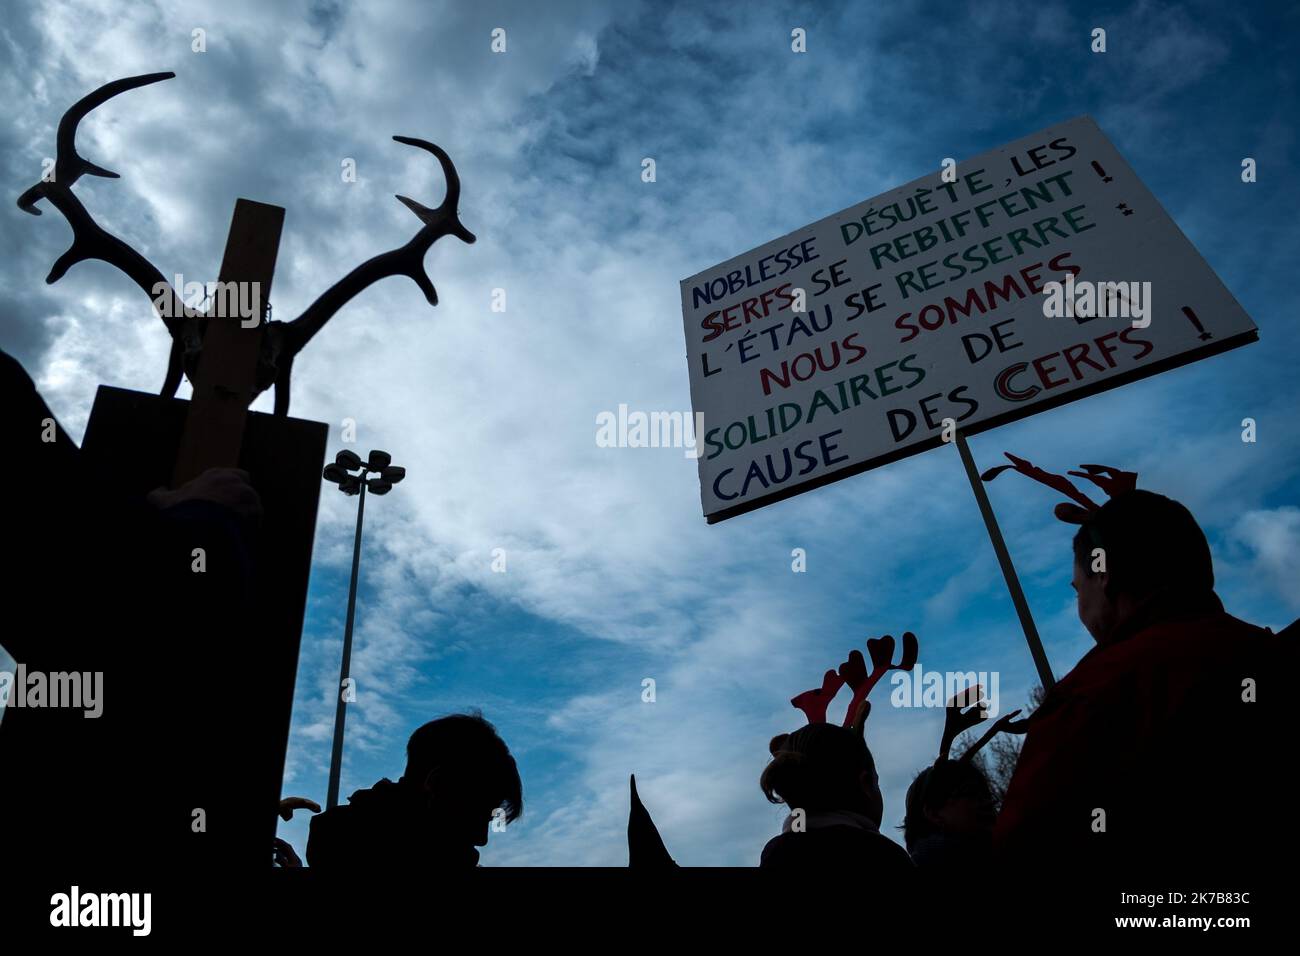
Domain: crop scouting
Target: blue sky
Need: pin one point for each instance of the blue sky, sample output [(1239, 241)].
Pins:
[(612, 575)]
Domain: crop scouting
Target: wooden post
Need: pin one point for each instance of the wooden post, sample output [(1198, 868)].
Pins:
[(1008, 569), (214, 429), (238, 698)]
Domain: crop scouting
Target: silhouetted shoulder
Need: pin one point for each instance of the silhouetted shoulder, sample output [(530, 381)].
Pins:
[(832, 847), (365, 832)]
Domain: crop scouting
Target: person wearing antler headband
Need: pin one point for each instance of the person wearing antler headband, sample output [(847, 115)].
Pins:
[(1134, 556), (1151, 755), (950, 806), (826, 775)]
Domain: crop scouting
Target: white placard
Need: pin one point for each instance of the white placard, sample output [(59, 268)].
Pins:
[(976, 295)]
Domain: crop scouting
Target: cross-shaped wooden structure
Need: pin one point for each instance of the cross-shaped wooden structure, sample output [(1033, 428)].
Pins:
[(239, 725), (138, 442)]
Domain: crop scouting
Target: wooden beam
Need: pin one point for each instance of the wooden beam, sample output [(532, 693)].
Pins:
[(223, 387)]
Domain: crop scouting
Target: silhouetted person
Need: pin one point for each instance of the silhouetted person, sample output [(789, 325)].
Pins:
[(826, 775), (1149, 756), (948, 828), (459, 778)]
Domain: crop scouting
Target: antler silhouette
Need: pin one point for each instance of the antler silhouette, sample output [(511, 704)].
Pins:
[(1110, 480), (90, 240), (814, 702), (854, 673), (281, 341), (406, 260), (1007, 722), (881, 651)]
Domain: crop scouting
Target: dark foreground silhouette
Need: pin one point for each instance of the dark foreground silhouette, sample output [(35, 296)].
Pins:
[(101, 584), (460, 779), (1162, 750)]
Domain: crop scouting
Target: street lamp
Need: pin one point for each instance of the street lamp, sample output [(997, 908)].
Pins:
[(351, 474)]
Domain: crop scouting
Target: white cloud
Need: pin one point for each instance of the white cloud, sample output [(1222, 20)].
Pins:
[(1273, 538)]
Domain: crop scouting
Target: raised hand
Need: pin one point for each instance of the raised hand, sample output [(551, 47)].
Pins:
[(958, 720), (290, 804)]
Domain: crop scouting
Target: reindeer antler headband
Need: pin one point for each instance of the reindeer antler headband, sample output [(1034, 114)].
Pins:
[(1110, 480), (854, 673)]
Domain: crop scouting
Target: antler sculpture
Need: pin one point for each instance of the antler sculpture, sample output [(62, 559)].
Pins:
[(281, 341), (287, 340)]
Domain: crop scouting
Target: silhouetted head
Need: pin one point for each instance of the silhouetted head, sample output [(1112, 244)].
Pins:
[(950, 796), (1146, 543), (823, 767), (466, 774)]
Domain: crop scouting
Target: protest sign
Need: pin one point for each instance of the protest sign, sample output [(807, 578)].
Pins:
[(984, 292)]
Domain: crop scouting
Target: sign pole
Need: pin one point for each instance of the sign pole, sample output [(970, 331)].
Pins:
[(340, 708), (1008, 569)]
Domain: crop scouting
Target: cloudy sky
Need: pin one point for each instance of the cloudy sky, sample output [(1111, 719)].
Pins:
[(612, 574)]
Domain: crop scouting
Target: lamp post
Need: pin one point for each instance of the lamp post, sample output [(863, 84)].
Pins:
[(351, 474)]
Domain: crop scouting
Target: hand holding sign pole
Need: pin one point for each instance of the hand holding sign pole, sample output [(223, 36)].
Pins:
[(1009, 575)]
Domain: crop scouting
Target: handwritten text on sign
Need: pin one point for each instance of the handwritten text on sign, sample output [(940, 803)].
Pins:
[(849, 343)]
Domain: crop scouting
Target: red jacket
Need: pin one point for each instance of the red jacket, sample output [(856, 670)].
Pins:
[(1152, 729)]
